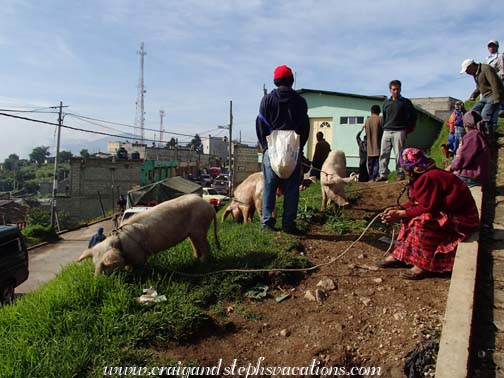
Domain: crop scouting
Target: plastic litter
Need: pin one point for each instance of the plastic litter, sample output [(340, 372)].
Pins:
[(150, 295), (258, 292)]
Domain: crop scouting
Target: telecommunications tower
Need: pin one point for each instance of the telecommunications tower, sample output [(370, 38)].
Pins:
[(161, 129), (140, 111)]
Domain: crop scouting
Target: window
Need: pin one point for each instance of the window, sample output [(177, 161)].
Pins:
[(351, 120), (325, 124)]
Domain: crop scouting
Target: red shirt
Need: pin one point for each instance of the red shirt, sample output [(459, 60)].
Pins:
[(438, 190)]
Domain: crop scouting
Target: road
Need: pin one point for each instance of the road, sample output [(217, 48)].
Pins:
[(47, 261)]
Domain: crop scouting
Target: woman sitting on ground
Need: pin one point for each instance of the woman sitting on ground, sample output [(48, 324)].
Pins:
[(440, 213), (472, 162)]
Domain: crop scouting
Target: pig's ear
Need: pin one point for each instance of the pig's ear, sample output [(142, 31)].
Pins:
[(226, 213), (86, 254), (112, 260)]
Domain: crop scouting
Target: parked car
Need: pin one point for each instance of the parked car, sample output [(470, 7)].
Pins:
[(211, 196), (221, 184), (206, 180), (128, 213), (13, 262)]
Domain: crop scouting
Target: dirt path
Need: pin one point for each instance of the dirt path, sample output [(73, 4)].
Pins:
[(372, 318)]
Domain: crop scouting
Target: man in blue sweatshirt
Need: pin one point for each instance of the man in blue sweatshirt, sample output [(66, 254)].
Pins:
[(399, 119), (282, 109)]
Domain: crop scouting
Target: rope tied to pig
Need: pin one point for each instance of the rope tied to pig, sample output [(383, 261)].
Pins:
[(333, 260)]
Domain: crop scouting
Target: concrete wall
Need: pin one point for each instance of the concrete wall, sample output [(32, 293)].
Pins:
[(92, 179), (441, 107), (245, 163)]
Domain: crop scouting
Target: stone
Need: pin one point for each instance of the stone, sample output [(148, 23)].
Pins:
[(378, 280), (365, 300), (285, 333), (309, 295), (327, 284)]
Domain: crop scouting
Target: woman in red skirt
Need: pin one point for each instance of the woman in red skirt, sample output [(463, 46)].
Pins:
[(440, 213)]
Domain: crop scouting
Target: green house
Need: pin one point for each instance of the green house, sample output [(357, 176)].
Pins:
[(157, 170), (340, 116)]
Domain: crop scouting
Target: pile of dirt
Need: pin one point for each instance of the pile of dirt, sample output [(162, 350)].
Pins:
[(370, 318)]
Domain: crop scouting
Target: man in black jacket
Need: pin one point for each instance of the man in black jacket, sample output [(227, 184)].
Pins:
[(282, 109)]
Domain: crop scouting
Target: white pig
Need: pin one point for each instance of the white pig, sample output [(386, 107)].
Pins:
[(155, 230), (333, 179), (246, 199)]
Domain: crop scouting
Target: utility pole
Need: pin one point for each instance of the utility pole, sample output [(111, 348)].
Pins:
[(265, 91), (161, 129), (55, 172), (140, 116), (230, 147)]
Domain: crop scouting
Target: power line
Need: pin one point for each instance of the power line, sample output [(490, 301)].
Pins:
[(27, 111), (87, 131), (134, 127), (73, 128)]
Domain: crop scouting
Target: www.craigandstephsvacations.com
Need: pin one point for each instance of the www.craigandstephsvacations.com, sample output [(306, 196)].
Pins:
[(235, 369)]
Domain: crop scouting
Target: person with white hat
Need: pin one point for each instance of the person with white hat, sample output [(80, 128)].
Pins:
[(490, 88), (496, 61)]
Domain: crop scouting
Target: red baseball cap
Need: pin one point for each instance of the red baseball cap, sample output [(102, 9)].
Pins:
[(281, 72)]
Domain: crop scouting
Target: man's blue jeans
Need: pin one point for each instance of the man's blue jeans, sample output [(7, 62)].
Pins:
[(488, 110), (290, 187)]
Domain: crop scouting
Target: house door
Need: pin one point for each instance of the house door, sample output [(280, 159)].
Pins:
[(323, 125)]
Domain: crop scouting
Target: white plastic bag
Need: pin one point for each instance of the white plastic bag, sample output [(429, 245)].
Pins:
[(283, 152)]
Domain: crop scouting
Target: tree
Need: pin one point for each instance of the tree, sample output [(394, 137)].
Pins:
[(39, 154), (172, 143), (65, 156), (11, 163), (196, 144), (84, 153)]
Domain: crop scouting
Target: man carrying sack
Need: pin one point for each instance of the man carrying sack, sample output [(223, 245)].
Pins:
[(282, 128)]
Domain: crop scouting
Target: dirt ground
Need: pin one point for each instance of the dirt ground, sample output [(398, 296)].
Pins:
[(373, 318)]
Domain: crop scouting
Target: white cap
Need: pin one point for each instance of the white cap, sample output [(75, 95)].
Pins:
[(493, 41), (466, 63)]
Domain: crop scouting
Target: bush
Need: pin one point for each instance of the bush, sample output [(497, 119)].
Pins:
[(39, 234)]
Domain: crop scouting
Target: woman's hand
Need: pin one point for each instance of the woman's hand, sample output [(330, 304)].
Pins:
[(393, 214)]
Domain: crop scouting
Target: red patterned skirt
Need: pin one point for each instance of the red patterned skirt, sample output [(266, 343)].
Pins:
[(430, 241)]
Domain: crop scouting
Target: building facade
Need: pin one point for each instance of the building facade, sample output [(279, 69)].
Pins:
[(216, 146), (340, 116)]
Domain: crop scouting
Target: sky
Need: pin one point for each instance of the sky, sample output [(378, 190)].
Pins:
[(202, 54)]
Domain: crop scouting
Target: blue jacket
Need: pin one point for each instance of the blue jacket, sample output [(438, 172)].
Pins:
[(284, 109), (95, 240)]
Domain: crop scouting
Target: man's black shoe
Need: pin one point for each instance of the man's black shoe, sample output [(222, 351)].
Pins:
[(269, 228), (292, 230), (381, 178)]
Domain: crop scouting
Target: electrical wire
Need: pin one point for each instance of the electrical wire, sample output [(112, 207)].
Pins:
[(132, 126), (75, 128)]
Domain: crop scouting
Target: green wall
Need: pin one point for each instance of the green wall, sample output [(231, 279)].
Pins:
[(156, 170)]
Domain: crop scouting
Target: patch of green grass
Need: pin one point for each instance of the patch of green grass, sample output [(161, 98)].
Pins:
[(77, 324)]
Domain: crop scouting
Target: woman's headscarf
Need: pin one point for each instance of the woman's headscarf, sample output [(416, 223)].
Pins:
[(471, 120), (414, 160)]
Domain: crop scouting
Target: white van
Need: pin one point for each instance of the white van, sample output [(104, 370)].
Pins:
[(128, 213)]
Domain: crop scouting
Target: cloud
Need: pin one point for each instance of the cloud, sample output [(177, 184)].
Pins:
[(203, 53)]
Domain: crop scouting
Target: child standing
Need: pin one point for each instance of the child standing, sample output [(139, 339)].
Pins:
[(456, 126)]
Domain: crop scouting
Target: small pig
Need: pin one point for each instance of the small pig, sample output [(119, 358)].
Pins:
[(333, 179), (246, 199), (152, 231)]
